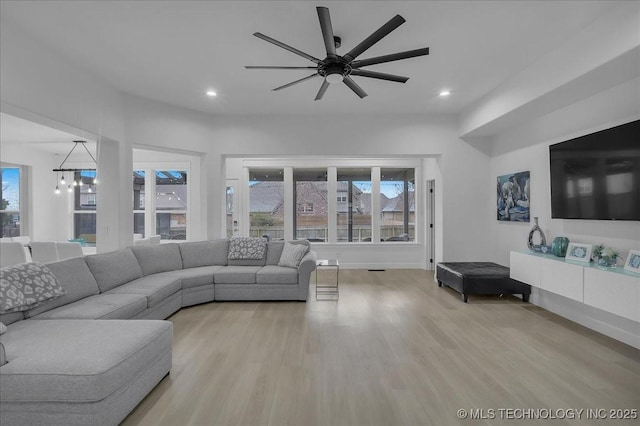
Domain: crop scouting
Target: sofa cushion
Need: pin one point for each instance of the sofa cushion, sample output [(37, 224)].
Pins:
[(292, 254), (236, 275), (156, 287), (274, 251), (114, 268), (247, 249), (100, 306), (70, 361), (75, 277), (158, 258), (27, 285), (272, 274), (204, 253), (194, 277)]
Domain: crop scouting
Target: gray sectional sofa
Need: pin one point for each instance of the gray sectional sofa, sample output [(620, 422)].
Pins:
[(91, 355)]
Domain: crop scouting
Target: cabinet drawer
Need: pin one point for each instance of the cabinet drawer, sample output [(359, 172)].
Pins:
[(524, 268), (612, 292), (562, 278)]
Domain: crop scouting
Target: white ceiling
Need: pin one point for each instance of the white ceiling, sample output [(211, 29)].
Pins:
[(173, 51)]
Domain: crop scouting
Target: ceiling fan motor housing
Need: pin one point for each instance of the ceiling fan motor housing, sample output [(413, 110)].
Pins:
[(331, 66)]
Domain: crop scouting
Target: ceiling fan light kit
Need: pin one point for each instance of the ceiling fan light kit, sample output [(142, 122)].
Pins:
[(335, 68)]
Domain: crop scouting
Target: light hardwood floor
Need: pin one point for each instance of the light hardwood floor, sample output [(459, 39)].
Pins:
[(394, 350)]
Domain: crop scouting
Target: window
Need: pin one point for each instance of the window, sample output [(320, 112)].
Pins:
[(10, 202), (306, 208), (310, 194), (231, 226), (354, 205), (266, 203), (84, 206), (138, 202), (171, 204), (166, 214), (397, 204), (324, 203)]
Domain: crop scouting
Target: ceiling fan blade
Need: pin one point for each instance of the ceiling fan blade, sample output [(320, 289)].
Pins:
[(380, 75), (287, 47), (378, 35), (353, 86), (323, 88), (269, 67), (327, 30), (389, 58), (296, 82)]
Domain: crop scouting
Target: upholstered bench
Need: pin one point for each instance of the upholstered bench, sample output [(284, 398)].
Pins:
[(479, 278)]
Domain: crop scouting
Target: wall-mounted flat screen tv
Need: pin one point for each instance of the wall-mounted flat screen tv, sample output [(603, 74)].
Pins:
[(597, 176)]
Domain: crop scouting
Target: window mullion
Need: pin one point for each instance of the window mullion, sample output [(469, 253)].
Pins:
[(332, 199)]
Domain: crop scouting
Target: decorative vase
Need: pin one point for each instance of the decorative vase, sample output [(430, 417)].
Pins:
[(536, 228), (559, 246)]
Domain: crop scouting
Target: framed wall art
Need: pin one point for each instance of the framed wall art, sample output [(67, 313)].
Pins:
[(512, 196)]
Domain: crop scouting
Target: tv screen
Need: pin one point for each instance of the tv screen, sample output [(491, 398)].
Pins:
[(597, 176)]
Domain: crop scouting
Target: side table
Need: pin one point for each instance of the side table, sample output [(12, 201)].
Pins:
[(328, 289)]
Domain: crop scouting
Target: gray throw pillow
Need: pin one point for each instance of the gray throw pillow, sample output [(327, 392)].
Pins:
[(26, 286), (3, 328), (292, 254), (245, 248)]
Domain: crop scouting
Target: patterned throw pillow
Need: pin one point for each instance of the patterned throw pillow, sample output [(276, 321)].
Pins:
[(247, 248), (27, 285), (292, 254)]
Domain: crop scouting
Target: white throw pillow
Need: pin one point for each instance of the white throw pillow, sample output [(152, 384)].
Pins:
[(292, 254)]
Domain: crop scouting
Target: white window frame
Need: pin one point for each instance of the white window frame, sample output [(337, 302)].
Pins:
[(331, 164), (23, 193), (150, 211)]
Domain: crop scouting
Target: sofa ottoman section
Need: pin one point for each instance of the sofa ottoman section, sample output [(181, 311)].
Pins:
[(79, 372)]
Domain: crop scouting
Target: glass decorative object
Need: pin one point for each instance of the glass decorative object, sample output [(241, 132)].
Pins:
[(536, 228), (559, 246)]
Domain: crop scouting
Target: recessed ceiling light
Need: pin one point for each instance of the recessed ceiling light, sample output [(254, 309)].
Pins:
[(211, 93), (445, 93)]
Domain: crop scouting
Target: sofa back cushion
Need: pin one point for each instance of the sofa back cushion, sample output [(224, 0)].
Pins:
[(204, 253), (274, 250), (114, 268), (75, 277), (247, 251), (158, 258)]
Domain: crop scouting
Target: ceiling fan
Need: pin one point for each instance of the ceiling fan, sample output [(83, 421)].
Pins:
[(335, 68)]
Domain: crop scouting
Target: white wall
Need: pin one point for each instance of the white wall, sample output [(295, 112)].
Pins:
[(465, 234), (606, 109)]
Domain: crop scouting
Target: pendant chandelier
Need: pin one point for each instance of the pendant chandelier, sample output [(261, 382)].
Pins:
[(61, 182)]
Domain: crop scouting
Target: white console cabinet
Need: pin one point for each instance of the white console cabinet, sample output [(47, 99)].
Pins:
[(613, 290)]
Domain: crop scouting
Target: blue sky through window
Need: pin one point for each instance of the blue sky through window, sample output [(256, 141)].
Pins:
[(11, 187)]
